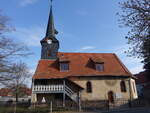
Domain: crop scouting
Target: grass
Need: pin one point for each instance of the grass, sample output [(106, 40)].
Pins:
[(23, 110), (31, 110)]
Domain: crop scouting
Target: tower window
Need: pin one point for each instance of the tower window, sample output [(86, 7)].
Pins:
[(123, 86), (89, 87), (64, 67), (99, 67)]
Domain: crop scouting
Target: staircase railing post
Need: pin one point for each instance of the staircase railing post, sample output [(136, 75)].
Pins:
[(64, 95), (79, 97)]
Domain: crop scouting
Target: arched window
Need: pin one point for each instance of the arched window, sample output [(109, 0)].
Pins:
[(89, 87), (123, 86)]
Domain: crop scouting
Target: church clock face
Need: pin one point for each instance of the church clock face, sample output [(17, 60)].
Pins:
[(49, 41)]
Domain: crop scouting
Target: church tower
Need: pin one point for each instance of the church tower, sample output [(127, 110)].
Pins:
[(49, 43)]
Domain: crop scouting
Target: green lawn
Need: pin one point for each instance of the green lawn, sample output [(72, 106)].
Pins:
[(30, 110), (23, 110)]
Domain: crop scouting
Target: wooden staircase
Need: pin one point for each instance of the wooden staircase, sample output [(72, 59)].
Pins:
[(73, 95)]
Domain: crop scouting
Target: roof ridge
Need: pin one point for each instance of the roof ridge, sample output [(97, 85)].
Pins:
[(83, 53)]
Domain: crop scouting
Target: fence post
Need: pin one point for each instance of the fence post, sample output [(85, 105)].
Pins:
[(79, 101), (107, 101), (33, 105), (15, 107), (51, 107), (130, 105)]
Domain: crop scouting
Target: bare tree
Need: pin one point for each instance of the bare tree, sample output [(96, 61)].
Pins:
[(19, 74), (136, 15), (4, 24), (9, 50)]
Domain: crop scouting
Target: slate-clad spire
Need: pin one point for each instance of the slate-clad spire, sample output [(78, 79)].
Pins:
[(49, 43), (50, 27)]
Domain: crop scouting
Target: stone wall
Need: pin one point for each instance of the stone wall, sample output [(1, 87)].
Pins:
[(101, 87)]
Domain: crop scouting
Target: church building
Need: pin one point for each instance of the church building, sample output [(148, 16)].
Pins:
[(79, 77)]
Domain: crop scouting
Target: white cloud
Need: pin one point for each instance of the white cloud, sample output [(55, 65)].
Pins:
[(30, 36), (137, 69), (27, 2), (120, 50), (131, 60), (85, 49), (32, 71), (132, 63)]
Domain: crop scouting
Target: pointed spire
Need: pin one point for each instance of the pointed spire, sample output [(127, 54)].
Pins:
[(50, 27)]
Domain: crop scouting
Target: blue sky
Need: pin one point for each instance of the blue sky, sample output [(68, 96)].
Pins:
[(83, 25)]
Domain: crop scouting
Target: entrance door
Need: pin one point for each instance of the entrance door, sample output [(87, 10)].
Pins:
[(111, 96)]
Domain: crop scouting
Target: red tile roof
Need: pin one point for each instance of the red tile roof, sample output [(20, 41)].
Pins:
[(80, 64), (64, 59), (5, 92), (97, 60), (9, 92)]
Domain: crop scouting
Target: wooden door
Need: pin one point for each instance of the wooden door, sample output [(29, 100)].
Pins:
[(111, 97)]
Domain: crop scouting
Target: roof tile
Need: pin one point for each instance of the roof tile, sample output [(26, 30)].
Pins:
[(81, 65)]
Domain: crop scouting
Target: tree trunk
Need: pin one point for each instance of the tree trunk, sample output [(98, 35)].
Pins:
[(16, 97)]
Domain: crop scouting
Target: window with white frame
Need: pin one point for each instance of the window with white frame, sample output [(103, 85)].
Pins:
[(64, 66), (99, 67)]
